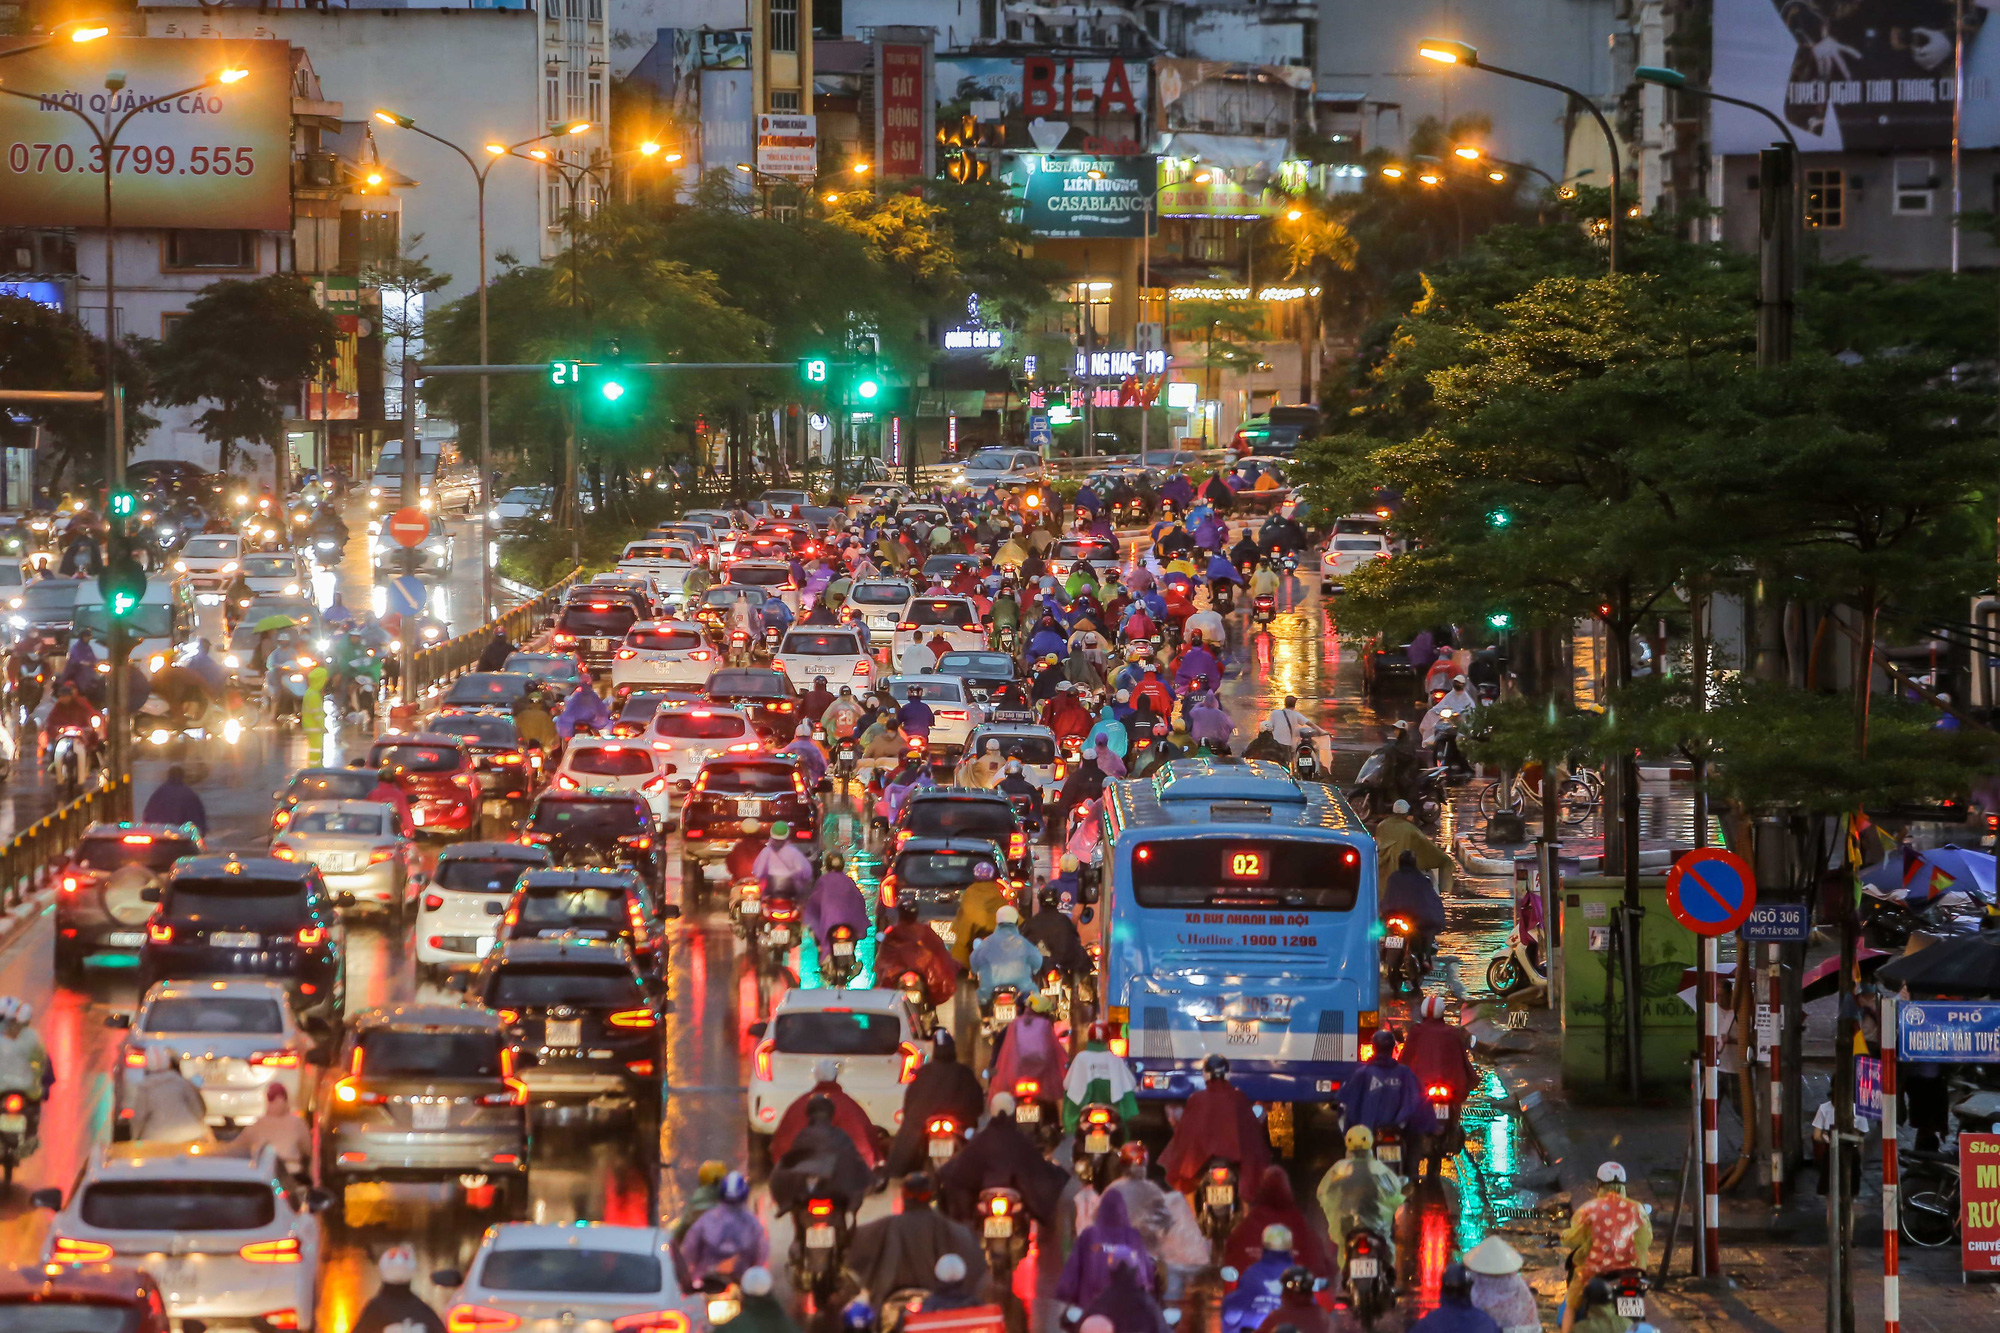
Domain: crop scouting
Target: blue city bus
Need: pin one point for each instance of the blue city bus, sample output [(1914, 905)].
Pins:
[(1239, 919)]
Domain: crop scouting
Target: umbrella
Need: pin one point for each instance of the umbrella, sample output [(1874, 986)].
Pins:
[(1912, 876), (1689, 991), (1823, 978), (273, 621), (1965, 967), (1971, 871)]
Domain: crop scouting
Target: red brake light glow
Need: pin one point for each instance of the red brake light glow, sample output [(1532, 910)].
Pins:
[(285, 1251), (913, 1060), (479, 1319), (632, 1018), (763, 1060)]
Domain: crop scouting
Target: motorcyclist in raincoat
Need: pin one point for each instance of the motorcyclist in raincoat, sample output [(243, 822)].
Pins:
[(1219, 1121), (1358, 1193), (943, 1087), (1030, 1050), (1098, 1076), (1004, 958)]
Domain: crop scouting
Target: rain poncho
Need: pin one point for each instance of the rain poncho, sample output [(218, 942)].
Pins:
[(1397, 834), (1271, 1202), (1029, 1049), (1197, 663), (1096, 1075), (835, 900), (1209, 725), (1510, 1301), (1219, 1121), (1004, 958), (916, 948), (782, 868), (1358, 1193), (1455, 1314), (944, 1086), (1108, 760), (726, 1239), (1127, 1302), (848, 1118), (811, 760), (1001, 1156), (176, 803), (1110, 1238), (582, 708), (1437, 1055), (1113, 732), (1259, 1288), (24, 1064), (1382, 1093), (825, 1153), (977, 909), (166, 1108), (901, 1250)]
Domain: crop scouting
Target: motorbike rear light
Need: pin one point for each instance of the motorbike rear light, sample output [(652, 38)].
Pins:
[(633, 1018), (1438, 1092), (69, 883), (135, 1059), (819, 1208), (159, 932), (1060, 771), (79, 1251), (14, 1104), (1000, 1206), (284, 853), (942, 1125), (479, 1319), (1118, 1047), (275, 1060), (765, 1049), (782, 912), (510, 1016), (913, 1060), (640, 1068), (1362, 1245), (653, 1321), (1400, 924), (285, 1251), (1097, 1115), (1027, 1087), (311, 936), (1220, 1175), (1017, 845)]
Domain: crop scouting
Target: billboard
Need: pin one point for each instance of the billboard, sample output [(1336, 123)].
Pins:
[(903, 110), (787, 145), (1053, 102), (1077, 195), (217, 157), (1851, 75), (726, 115)]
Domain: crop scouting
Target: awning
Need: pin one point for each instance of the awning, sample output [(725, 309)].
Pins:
[(1227, 150)]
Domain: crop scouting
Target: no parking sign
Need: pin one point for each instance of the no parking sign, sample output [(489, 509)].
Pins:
[(1711, 891)]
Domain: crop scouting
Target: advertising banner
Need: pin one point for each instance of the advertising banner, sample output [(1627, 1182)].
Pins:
[(787, 145), (1079, 196), (1948, 1032), (903, 110), (1878, 75), (1098, 106), (726, 116), (1979, 1202), (217, 156)]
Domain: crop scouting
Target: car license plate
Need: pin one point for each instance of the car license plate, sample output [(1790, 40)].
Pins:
[(125, 939), (748, 809), (1003, 1012), (1631, 1307), (999, 1228), (430, 1115), (945, 932), (235, 939), (941, 1148), (819, 1236), (843, 948), (1390, 1154), (564, 1032), (1097, 1141), (1392, 941), (600, 645), (1028, 1113), (1359, 1267), (13, 1124), (1222, 1196), (780, 935)]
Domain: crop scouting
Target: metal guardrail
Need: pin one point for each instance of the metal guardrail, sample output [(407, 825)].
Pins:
[(37, 850), (432, 667)]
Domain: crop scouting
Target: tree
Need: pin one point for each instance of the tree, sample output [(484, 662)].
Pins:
[(1226, 330), (237, 347), (42, 348)]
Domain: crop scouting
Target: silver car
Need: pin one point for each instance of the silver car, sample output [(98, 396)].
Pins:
[(359, 849), (278, 573), (586, 1275), (233, 1039)]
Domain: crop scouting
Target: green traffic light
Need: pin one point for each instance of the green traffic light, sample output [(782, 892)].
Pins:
[(123, 604), (867, 388), (1499, 518), (123, 504), (612, 391), (1499, 620)]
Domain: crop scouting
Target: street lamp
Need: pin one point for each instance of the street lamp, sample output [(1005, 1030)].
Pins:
[(80, 31), (494, 151), (1446, 52)]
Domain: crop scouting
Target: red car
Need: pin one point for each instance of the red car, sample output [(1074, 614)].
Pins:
[(81, 1296), (437, 774)]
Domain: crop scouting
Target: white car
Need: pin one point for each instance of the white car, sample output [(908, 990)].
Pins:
[(684, 735), (785, 504), (234, 1038), (663, 652), (359, 849), (875, 494), (589, 1276), (218, 1232), (993, 467), (881, 604), (1035, 746), (774, 577), (928, 514), (950, 704), (460, 908), (834, 652), (728, 529), (598, 765), (1346, 552), (925, 618), (869, 1034), (209, 560), (281, 573), (522, 506), (1068, 550)]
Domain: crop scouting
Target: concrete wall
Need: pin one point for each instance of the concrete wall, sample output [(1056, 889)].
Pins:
[(1872, 230)]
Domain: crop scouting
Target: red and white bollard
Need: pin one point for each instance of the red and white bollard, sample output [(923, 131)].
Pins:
[(1774, 1055), (1711, 1146), (1892, 1295)]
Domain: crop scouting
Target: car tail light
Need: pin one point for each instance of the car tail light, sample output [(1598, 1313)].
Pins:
[(654, 785), (1017, 845), (700, 655), (907, 624), (69, 883), (280, 1319), (887, 893), (567, 783), (80, 1251), (135, 1059), (781, 705), (311, 937), (562, 638), (350, 1091), (640, 1068), (284, 853), (913, 1060), (653, 1321), (284, 1251), (819, 1208), (638, 842), (508, 759), (1118, 1047), (275, 1059), (765, 1049), (1060, 771), (862, 668), (381, 854), (138, 839), (479, 1319), (433, 902), (14, 1104), (743, 747), (158, 932), (510, 1016), (633, 1018), (627, 654)]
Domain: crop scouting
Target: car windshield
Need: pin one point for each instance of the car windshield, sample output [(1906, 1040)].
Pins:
[(548, 666), (149, 620), (996, 666), (349, 784), (599, 619), (488, 687), (1033, 750), (957, 615), (931, 689), (212, 1013), (522, 495), (50, 597), (416, 758), (178, 1205), (879, 594), (940, 818), (822, 645), (237, 901), (674, 640), (539, 985), (747, 779), (574, 817), (388, 1053), (474, 875), (755, 576), (698, 724), (823, 1032), (355, 824), (566, 904), (990, 460), (211, 548), (479, 730), (728, 594), (609, 1272), (65, 1316), (751, 682), (611, 761), (115, 851), (939, 870)]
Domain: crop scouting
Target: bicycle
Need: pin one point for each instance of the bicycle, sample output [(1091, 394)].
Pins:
[(1578, 795)]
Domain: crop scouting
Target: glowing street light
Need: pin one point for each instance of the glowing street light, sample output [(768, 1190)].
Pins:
[(1469, 152)]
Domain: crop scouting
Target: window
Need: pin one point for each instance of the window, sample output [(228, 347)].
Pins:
[(596, 115), (1090, 307), (568, 1270), (1915, 186), (1826, 197), (211, 249), (555, 95), (170, 321), (785, 25), (178, 1205), (1209, 238), (784, 99)]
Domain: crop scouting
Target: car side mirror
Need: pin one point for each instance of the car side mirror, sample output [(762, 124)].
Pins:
[(758, 1029), (149, 895), (670, 911), (49, 1198), (495, 909), (343, 899), (118, 1020), (448, 1277)]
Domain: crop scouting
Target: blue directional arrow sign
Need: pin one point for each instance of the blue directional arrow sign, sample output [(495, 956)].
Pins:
[(407, 595), (1711, 891)]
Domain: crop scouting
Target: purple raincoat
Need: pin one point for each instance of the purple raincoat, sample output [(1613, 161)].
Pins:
[(835, 900), (1112, 1234)]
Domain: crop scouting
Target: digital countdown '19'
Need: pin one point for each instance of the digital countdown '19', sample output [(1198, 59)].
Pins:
[(133, 159)]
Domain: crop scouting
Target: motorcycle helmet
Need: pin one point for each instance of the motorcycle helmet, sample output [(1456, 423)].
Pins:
[(847, 691), (1068, 863), (1456, 1282), (1611, 1173), (1014, 768), (835, 863), (984, 870), (819, 682), (918, 1187), (1401, 808), (1360, 1136), (1298, 1281), (757, 1281), (735, 1187), (1006, 916), (950, 1268), (1432, 1007), (712, 1172), (1100, 1032), (858, 1317), (1277, 1236), (780, 829), (398, 1265), (1215, 1066), (1047, 894)]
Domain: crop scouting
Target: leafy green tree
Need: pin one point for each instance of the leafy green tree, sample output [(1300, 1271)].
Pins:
[(42, 348), (1223, 330)]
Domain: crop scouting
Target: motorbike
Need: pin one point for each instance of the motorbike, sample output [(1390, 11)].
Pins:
[(1444, 746), (819, 1247), (17, 1140), (1008, 637), (739, 647), (943, 1137), (746, 907), (997, 1011), (1628, 1293), (1305, 762), (1389, 1149), (780, 930), (1222, 596), (722, 1298), (1407, 956), (1263, 609), (1003, 1230), (1221, 1203), (1038, 1113), (1519, 967), (1370, 1280), (771, 636), (839, 965), (1096, 1154), (325, 552), (1440, 1098), (72, 762), (844, 759)]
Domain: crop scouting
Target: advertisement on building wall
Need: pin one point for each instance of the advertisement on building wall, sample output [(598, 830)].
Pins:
[(904, 125), (209, 155), (1052, 102), (1079, 195), (787, 145), (1852, 75), (726, 119)]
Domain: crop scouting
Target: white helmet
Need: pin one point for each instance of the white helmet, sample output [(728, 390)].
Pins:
[(1401, 808), (24, 1013), (398, 1264), (1432, 1007), (1611, 1174)]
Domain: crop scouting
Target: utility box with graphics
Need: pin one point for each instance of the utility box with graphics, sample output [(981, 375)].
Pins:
[(1592, 996)]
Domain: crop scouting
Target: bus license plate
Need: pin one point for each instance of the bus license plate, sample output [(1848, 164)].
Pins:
[(1028, 1113), (1095, 1141), (1392, 941), (819, 1236), (1361, 1267), (999, 1228), (1242, 1029), (1222, 1196), (1631, 1307), (1390, 1154), (1003, 1013)]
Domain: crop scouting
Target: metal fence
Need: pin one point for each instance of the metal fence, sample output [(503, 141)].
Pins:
[(36, 851), (454, 657)]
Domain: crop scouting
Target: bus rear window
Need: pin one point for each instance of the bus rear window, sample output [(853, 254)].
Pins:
[(1247, 872)]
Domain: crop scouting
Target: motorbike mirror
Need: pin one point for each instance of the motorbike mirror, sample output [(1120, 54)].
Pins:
[(149, 895), (1089, 893), (49, 1198), (1086, 916), (757, 1029), (118, 1020), (495, 909), (1229, 1273), (448, 1277), (670, 911)]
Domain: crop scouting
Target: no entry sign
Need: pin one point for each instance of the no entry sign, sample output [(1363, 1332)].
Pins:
[(1711, 891), (409, 526)]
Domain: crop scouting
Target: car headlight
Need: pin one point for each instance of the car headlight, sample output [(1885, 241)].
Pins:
[(395, 645), (374, 490), (156, 661), (229, 568), (180, 566), (232, 661), (291, 590)]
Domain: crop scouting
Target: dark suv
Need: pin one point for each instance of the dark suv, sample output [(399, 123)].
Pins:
[(583, 1026), (502, 690), (426, 1092), (933, 873), (592, 905), (765, 693), (94, 1297), (594, 627), (257, 916), (730, 789), (947, 812), (100, 908), (604, 829)]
